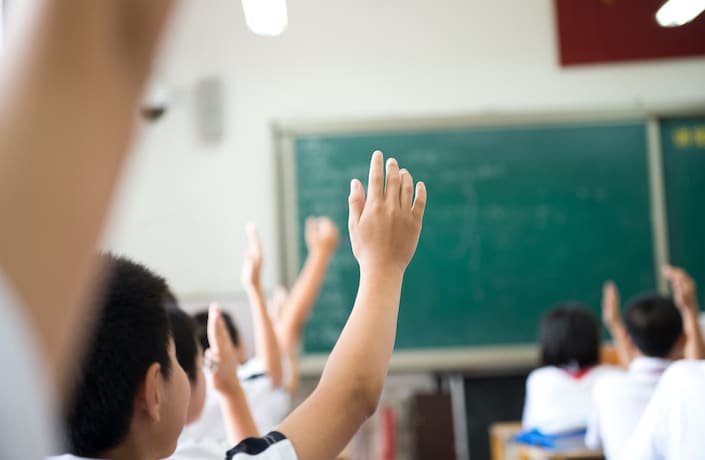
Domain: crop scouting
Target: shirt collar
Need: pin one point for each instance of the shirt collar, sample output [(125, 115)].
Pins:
[(649, 365)]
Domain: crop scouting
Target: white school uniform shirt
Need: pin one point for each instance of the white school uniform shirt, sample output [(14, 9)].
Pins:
[(619, 400), (274, 446), (268, 405), (27, 425), (558, 400), (188, 448), (673, 424), (70, 457)]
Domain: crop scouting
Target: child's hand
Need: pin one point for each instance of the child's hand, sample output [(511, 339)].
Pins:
[(610, 305), (385, 227), (252, 264), (321, 234), (221, 358), (683, 286)]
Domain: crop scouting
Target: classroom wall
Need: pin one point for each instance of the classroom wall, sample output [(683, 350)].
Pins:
[(183, 204)]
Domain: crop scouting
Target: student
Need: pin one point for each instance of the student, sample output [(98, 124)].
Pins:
[(238, 420), (659, 330), (672, 424), (74, 74), (558, 393), (132, 396), (270, 378), (384, 231)]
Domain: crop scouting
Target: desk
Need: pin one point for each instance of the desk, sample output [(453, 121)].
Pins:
[(539, 453), (503, 447)]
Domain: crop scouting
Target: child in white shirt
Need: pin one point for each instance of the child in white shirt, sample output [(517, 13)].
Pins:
[(656, 330), (558, 393)]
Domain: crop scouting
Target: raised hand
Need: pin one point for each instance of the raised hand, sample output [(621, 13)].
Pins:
[(252, 263), (684, 290), (221, 358), (611, 315), (321, 234), (385, 225)]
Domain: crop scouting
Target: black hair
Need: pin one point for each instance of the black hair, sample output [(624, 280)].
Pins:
[(569, 335), (654, 324), (202, 321), (183, 328), (130, 333)]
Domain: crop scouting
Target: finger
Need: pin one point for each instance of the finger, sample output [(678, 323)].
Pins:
[(671, 273), (393, 183), (420, 201), (375, 185), (407, 189), (214, 317), (356, 203), (253, 240)]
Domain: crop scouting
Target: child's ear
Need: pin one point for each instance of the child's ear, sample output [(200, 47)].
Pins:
[(151, 394)]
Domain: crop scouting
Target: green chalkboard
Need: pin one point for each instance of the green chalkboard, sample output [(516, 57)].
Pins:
[(683, 152), (519, 217)]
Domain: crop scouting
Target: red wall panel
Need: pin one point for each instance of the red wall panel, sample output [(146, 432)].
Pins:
[(592, 31)]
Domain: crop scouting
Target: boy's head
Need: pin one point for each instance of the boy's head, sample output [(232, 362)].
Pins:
[(569, 336), (654, 325), (202, 320), (190, 357), (131, 390)]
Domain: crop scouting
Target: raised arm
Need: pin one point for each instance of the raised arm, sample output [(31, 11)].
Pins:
[(685, 298), (612, 319), (222, 360), (266, 344), (384, 232), (70, 88), (322, 239)]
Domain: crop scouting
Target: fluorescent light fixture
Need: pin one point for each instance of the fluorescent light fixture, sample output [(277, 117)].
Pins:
[(265, 17), (675, 13)]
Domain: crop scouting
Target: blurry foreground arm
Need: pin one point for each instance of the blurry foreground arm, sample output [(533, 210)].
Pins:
[(70, 88)]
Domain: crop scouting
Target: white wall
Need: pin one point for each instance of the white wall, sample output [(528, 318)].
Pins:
[(183, 205)]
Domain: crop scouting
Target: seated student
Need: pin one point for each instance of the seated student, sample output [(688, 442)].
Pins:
[(672, 424), (134, 396), (238, 420), (558, 393), (655, 336), (270, 378)]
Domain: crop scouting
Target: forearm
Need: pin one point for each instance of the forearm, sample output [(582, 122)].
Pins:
[(694, 345), (354, 374), (358, 363), (266, 345), (239, 423), (65, 126), (621, 343), (302, 296)]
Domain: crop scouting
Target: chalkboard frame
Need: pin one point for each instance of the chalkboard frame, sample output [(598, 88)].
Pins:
[(473, 357)]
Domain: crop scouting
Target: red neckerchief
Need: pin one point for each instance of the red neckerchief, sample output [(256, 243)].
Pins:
[(579, 374)]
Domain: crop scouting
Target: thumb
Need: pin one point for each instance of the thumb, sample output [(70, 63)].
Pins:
[(356, 203)]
